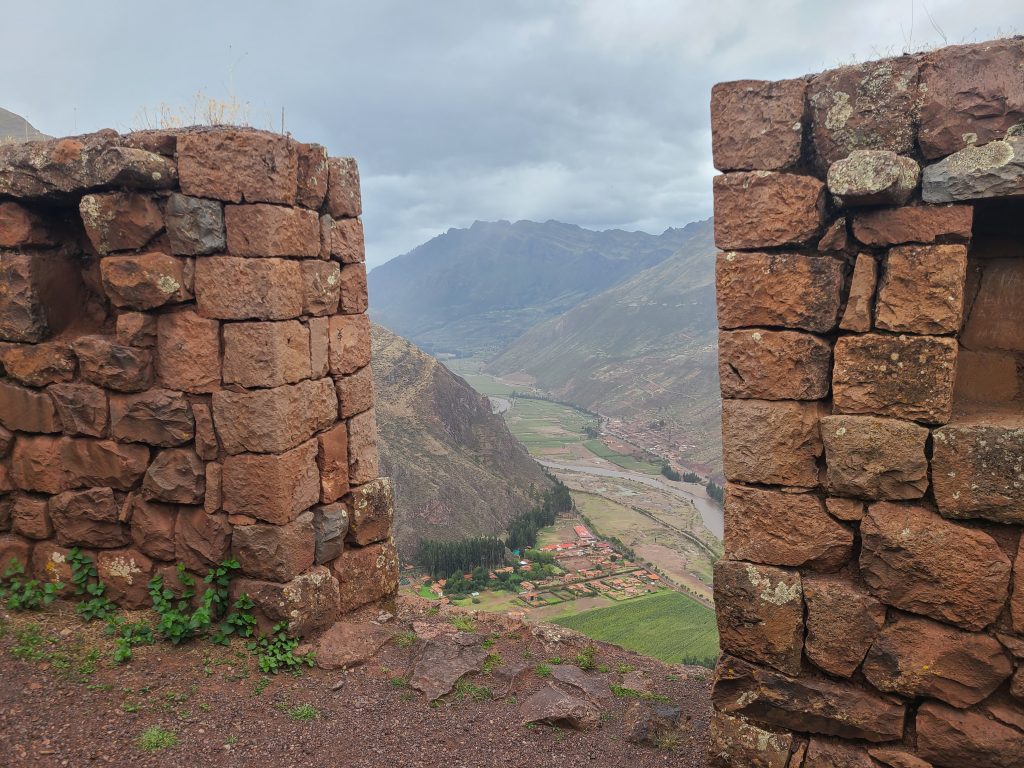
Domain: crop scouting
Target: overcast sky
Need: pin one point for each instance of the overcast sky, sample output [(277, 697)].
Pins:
[(592, 112)]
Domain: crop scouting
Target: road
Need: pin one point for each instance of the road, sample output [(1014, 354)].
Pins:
[(709, 512)]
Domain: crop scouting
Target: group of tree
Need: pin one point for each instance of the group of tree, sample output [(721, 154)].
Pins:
[(443, 558), (691, 477), (671, 474), (716, 492), (522, 531)]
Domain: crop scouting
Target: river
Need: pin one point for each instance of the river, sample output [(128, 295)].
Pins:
[(709, 512)]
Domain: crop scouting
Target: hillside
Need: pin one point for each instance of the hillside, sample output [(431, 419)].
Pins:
[(644, 349), (15, 127), (473, 291), (457, 470)]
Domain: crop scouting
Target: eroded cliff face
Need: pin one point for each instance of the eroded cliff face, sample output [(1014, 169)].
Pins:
[(457, 469)]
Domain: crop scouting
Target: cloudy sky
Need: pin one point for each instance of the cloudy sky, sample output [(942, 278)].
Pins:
[(589, 111)]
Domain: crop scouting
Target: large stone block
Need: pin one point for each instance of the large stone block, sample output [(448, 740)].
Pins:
[(757, 124), (49, 563), (152, 527), (353, 289), (763, 209), (917, 657), (1017, 598), (366, 574), (760, 613), (952, 738), (343, 197), (321, 287), (864, 106), (125, 573), (330, 524), (136, 329), (119, 221), (52, 464), (160, 417), (985, 377), (828, 753), (914, 224), (36, 365), (907, 377), (778, 528), (30, 518), (355, 392), (236, 288), (313, 175), (238, 165), (735, 741), (922, 289), (778, 289), (332, 460), (14, 549), (274, 420), (995, 169), (773, 365), (842, 623), (20, 227), (371, 510), (201, 540), (916, 561), (146, 280), (995, 319), (806, 704), (349, 346), (970, 94), (108, 364), (27, 410), (177, 475), (195, 227), (82, 408), (860, 304), (363, 457), (266, 354), (976, 469), (88, 518), (875, 458), (273, 488), (771, 442), (272, 230), (306, 603), (342, 240), (873, 177), (275, 552), (188, 351)]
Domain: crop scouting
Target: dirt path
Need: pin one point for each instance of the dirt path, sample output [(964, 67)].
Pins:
[(72, 706)]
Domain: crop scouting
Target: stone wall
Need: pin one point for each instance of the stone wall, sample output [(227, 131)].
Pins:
[(871, 304), (185, 368)]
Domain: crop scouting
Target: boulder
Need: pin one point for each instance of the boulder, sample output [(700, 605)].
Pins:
[(764, 209), (787, 529), (160, 417), (760, 614), (914, 560), (238, 164), (125, 573), (553, 706), (119, 221), (842, 622), (757, 124), (906, 377), (872, 177), (785, 290), (266, 354), (275, 552), (195, 227), (307, 603), (20, 226), (152, 527), (995, 169), (922, 289), (857, 315), (136, 329), (349, 643), (276, 419), (771, 442), (773, 365), (874, 458), (271, 230), (49, 563), (916, 657), (653, 725), (976, 469), (828, 753)]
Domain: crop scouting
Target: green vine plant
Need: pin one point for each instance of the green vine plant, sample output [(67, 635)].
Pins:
[(86, 581), (276, 652), (20, 594)]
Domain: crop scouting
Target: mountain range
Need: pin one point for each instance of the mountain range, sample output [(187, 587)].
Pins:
[(15, 127)]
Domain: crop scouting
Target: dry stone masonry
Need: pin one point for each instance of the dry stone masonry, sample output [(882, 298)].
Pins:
[(185, 361), (871, 303)]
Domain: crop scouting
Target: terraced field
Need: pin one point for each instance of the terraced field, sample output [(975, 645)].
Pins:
[(668, 626)]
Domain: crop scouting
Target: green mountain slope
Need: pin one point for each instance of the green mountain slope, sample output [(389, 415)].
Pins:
[(644, 350), (16, 128), (473, 291), (457, 469)]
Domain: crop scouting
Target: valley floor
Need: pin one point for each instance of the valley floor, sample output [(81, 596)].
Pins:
[(68, 704)]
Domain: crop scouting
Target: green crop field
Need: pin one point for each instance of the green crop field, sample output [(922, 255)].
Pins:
[(598, 448), (544, 427), (668, 626)]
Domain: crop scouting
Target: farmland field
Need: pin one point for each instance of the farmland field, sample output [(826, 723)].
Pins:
[(545, 428), (668, 626), (599, 448)]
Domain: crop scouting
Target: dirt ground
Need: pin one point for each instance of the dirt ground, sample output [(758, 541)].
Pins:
[(72, 706)]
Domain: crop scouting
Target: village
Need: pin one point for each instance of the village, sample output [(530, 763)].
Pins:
[(569, 563)]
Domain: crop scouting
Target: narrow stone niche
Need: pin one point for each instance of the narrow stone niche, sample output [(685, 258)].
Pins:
[(990, 376)]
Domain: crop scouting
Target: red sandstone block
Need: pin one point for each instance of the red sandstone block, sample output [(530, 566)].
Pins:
[(29, 517), (343, 197), (235, 288), (860, 304), (319, 345), (757, 125), (274, 420), (88, 518), (108, 364), (976, 472), (82, 408), (125, 573), (771, 442), (371, 511), (366, 574), (50, 563), (349, 343), (864, 106), (307, 603), (119, 221), (36, 365), (773, 365), (274, 488), (14, 549), (20, 227), (146, 280), (275, 552), (778, 289), (40, 294), (188, 351), (914, 224), (177, 476), (238, 164), (355, 392), (332, 460), (266, 354), (363, 459), (26, 410), (152, 527), (136, 329), (313, 175), (158, 417), (354, 297), (206, 436), (875, 458), (763, 209), (986, 377), (970, 94), (271, 230), (201, 540), (321, 287), (922, 289), (342, 240)]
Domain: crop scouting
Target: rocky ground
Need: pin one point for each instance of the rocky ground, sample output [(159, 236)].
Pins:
[(412, 686)]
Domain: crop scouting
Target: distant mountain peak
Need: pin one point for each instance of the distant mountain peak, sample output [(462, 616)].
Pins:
[(15, 127)]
